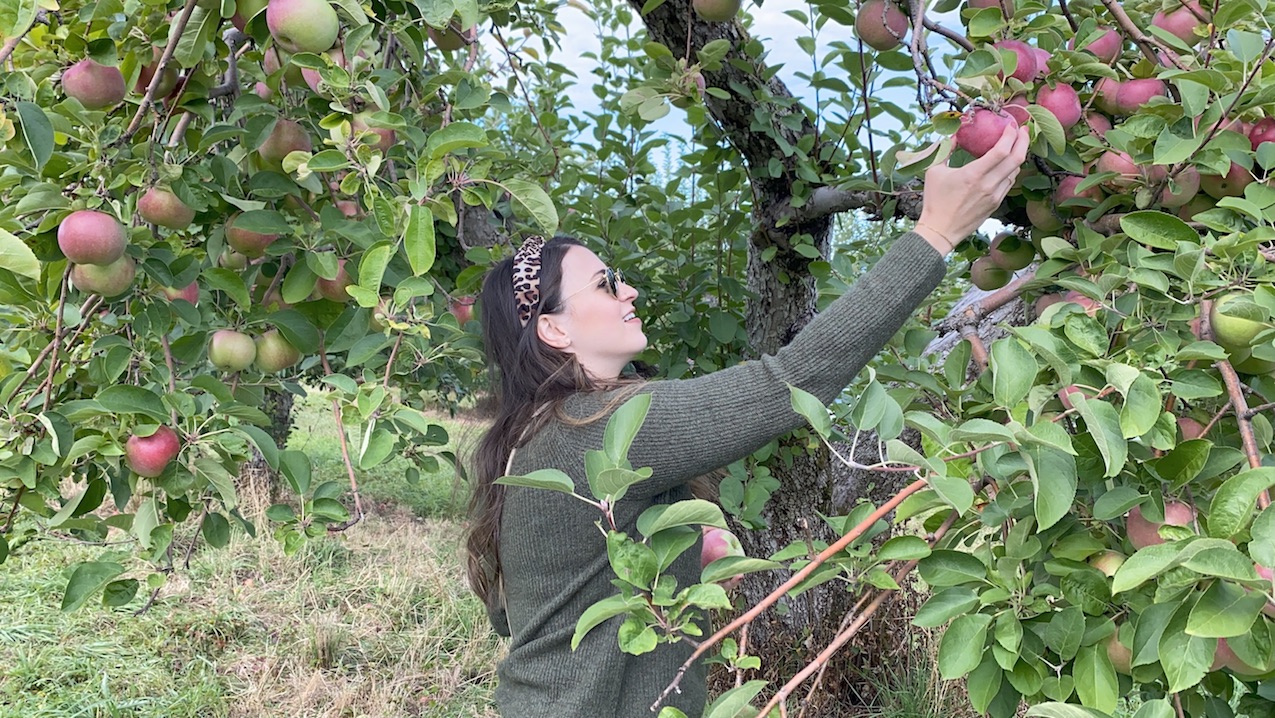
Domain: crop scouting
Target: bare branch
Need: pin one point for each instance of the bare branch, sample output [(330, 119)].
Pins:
[(175, 36)]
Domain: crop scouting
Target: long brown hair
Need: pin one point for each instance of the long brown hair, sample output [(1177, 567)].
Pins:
[(531, 380)]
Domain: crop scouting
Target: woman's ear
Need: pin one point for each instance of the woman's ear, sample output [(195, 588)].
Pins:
[(552, 330)]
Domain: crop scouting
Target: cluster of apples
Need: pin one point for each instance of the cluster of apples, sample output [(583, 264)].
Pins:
[(269, 352)]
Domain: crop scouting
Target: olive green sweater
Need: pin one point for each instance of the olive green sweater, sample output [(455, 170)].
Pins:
[(553, 555)]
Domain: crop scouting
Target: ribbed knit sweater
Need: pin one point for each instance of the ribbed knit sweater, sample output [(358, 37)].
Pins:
[(554, 557)]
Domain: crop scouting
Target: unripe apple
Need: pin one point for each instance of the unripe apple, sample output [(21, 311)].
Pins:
[(1245, 363), (987, 276), (1126, 171), (1133, 94), (1182, 22), (1199, 203), (229, 350), (287, 136), (159, 206), (190, 293), (1005, 6), (249, 244), (1026, 69), (1108, 562), (334, 289), (385, 137), (274, 353), (1143, 533), (302, 25), (462, 308), (1224, 657), (149, 455), (980, 130), (96, 86), (108, 280), (720, 543), (1010, 252), (1108, 44), (451, 38), (716, 10), (1231, 184), (230, 259), (1062, 101), (881, 24), (1121, 656), (91, 237), (1190, 428), (1067, 190), (1235, 334), (246, 10), (1042, 216)]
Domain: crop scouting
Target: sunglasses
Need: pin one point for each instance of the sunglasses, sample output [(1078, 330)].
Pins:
[(612, 279)]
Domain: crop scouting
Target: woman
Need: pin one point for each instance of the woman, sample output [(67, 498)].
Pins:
[(559, 328)]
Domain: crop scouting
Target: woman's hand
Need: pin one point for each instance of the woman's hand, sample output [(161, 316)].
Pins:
[(958, 200)]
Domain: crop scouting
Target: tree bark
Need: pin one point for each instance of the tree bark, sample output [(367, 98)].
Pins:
[(256, 479)]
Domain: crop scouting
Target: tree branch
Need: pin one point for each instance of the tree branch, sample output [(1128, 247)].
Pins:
[(174, 36), (345, 453)]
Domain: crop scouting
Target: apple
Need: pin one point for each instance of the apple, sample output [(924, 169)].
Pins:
[(1025, 71), (1107, 44), (274, 58), (1120, 163), (230, 259), (287, 136), (159, 206), (1009, 251), (1017, 109), (980, 130), (1046, 301), (249, 244), (881, 24), (229, 350), (1190, 428), (1121, 656), (1263, 131), (1042, 216), (263, 91), (96, 86), (462, 308), (167, 82), (1197, 204), (348, 207), (150, 455), (1133, 94), (302, 25), (334, 289), (384, 137), (1187, 180), (1143, 533), (1067, 191), (1224, 657), (190, 293), (312, 78), (1042, 62), (274, 353), (108, 280), (1065, 393), (716, 10), (1266, 573), (246, 10), (91, 237), (1097, 123), (1104, 95), (1090, 305), (1005, 6), (985, 275), (450, 39), (1235, 334), (1108, 562), (1182, 22), (1063, 102), (720, 543)]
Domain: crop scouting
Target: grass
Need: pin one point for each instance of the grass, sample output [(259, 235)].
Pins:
[(373, 622)]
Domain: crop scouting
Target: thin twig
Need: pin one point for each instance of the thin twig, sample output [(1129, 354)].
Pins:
[(513, 67), (57, 337), (17, 497), (174, 36), (389, 365), (345, 453)]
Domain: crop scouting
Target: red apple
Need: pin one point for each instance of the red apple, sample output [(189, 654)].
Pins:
[(1067, 191), (190, 293), (1026, 69), (1121, 656), (1107, 44), (162, 207), (1143, 533), (1182, 22), (1231, 184), (1263, 131), (720, 543), (249, 244), (96, 86), (1269, 575), (881, 24), (150, 455), (108, 280), (1126, 171), (334, 289), (462, 308), (1062, 101), (91, 237), (980, 130)]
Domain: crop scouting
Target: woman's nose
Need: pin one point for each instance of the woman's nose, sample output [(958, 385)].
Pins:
[(625, 291)]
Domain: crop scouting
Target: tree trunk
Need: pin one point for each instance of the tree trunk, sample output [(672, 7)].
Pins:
[(258, 486)]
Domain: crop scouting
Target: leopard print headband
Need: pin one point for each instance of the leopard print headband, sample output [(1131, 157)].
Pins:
[(527, 277)]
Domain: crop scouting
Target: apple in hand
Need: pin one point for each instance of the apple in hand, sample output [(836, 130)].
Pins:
[(150, 455)]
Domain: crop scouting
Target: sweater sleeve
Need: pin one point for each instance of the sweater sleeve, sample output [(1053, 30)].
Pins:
[(700, 424)]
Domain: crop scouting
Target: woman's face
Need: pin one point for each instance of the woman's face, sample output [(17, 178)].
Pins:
[(599, 327)]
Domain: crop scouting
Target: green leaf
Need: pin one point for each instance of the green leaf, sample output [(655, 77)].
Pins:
[(418, 239), (623, 427), (631, 561), (637, 638), (1158, 708), (736, 702), (615, 482), (1159, 230), (1096, 682), (221, 279), (1054, 479), (962, 646), (816, 414), (945, 605), (1147, 563), (216, 530), (1262, 547), (263, 221), (981, 430), (1184, 658), (1065, 632), (1116, 503), (945, 567), (86, 580), (17, 257), (296, 469), (1184, 462), (594, 615), (691, 512), (551, 479), (1141, 407), (904, 548), (1063, 710), (328, 161), (956, 491), (731, 566), (708, 595), (264, 443), (372, 267), (1225, 610), (119, 593), (1233, 504), (536, 201), (124, 399), (453, 137), (1103, 424), (221, 479), (1013, 369), (1049, 127), (37, 131)]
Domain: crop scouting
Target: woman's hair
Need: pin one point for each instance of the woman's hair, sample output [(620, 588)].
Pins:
[(531, 380)]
